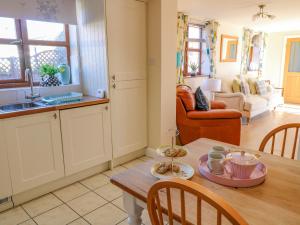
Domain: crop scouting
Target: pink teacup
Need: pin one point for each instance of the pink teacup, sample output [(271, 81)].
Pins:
[(242, 165)]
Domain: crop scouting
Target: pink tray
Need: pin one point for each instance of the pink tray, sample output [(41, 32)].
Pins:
[(257, 177)]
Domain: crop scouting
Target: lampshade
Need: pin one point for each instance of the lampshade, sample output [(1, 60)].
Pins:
[(213, 85)]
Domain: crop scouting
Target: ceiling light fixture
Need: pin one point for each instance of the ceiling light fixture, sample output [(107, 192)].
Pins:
[(262, 15)]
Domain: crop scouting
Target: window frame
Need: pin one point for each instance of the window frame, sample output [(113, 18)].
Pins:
[(187, 50), (23, 43)]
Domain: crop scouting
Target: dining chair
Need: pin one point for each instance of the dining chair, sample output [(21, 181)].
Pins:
[(272, 135), (156, 208)]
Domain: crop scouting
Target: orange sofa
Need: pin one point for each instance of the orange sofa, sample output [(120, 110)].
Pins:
[(218, 123)]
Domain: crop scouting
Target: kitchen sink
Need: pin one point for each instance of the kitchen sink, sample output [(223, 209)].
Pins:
[(20, 106)]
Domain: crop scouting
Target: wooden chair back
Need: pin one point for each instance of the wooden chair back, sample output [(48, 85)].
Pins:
[(156, 210), (272, 135)]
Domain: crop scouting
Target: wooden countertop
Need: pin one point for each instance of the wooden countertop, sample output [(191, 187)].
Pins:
[(86, 101)]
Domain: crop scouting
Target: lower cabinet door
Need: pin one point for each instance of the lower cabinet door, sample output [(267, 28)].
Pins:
[(5, 184), (86, 136), (34, 150)]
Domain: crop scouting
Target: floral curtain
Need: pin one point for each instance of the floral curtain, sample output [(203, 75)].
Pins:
[(212, 32), (264, 38), (247, 41), (182, 35)]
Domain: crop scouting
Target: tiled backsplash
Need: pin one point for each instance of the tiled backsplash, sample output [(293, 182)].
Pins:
[(18, 94)]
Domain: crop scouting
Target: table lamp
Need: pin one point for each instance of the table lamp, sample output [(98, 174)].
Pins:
[(213, 85)]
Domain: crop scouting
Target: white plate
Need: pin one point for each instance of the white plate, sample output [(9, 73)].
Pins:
[(186, 171), (160, 151)]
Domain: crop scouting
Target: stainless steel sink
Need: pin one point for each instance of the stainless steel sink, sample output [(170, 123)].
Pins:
[(20, 106)]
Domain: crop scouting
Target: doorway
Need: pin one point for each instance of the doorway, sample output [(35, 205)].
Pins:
[(292, 71)]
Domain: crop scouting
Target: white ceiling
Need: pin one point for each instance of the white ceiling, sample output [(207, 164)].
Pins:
[(240, 12)]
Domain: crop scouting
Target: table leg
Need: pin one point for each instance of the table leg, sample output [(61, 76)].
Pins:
[(133, 209)]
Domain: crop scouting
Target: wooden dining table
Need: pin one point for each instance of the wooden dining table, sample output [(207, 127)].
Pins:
[(274, 202)]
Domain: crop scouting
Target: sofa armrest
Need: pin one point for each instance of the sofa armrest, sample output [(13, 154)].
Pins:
[(214, 114), (232, 100), (217, 105)]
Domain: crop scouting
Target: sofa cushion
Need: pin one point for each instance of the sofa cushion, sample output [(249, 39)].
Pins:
[(245, 88), (255, 102), (187, 96), (252, 85), (236, 85), (215, 114), (201, 101), (261, 87)]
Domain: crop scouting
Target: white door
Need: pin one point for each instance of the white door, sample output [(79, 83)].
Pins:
[(129, 123), (86, 137), (5, 187), (127, 50), (34, 150)]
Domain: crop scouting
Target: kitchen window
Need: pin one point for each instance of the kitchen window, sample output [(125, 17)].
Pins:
[(196, 52), (29, 44)]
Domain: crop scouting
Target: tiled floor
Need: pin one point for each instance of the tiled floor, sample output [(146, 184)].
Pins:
[(91, 201)]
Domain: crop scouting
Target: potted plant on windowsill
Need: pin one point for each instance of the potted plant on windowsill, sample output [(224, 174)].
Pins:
[(48, 74), (194, 67)]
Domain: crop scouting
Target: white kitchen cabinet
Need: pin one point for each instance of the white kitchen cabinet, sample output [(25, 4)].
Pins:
[(129, 115), (34, 150), (86, 137), (126, 38), (5, 187)]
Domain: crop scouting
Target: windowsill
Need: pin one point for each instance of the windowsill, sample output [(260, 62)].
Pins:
[(38, 87), (189, 76)]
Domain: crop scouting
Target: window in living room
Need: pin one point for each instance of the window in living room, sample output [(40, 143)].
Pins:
[(30, 44), (196, 57)]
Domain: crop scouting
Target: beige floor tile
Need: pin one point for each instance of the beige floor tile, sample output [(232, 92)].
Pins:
[(133, 163), (70, 192), (109, 192), (13, 216), (106, 215), (119, 203), (28, 222), (42, 204), (95, 181), (79, 221), (86, 203), (146, 158), (115, 171), (124, 222), (60, 215)]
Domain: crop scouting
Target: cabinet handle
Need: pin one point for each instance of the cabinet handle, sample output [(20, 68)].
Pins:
[(114, 86), (55, 116), (106, 107), (113, 77)]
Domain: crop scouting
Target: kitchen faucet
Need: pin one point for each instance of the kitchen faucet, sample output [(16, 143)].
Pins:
[(32, 96)]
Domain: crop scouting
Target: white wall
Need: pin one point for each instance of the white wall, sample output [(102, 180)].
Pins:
[(162, 19), (229, 68), (92, 42), (275, 56)]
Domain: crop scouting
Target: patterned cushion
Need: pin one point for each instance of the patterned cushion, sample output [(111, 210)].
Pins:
[(236, 85), (201, 101), (261, 87), (252, 85), (245, 88)]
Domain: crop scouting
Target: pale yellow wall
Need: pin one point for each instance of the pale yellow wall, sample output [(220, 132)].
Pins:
[(275, 55), (162, 19)]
